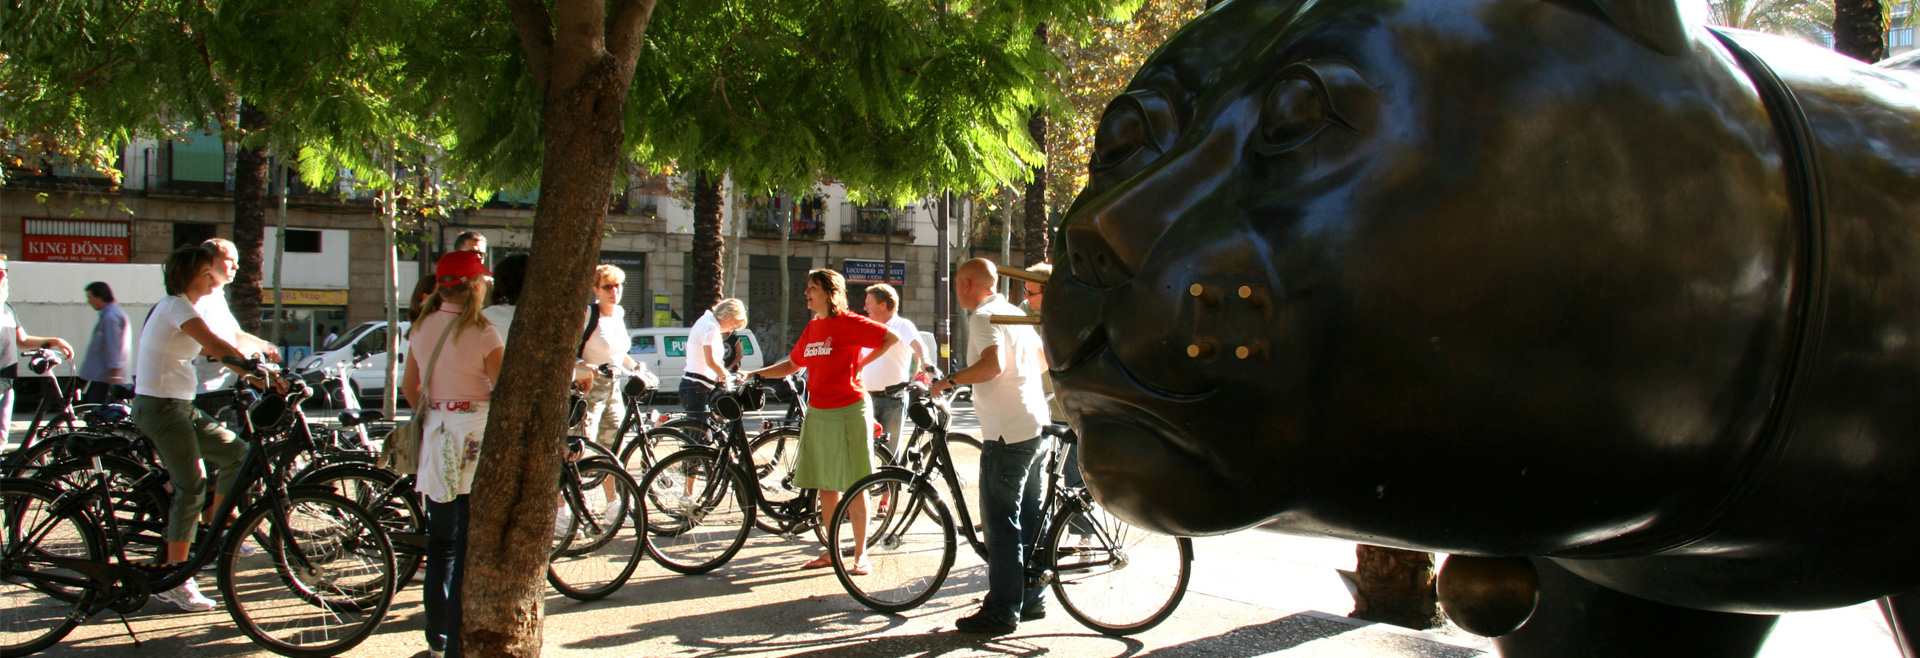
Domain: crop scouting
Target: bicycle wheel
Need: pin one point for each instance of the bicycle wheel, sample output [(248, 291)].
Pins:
[(910, 543), (39, 602), (605, 543), (395, 506), (648, 448), (773, 454), (138, 497), (27, 461), (698, 512), (1115, 578), (322, 581)]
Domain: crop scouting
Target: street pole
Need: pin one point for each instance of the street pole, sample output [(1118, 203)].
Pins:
[(390, 258), (943, 289), (786, 278), (279, 254)]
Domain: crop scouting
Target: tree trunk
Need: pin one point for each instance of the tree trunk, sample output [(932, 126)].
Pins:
[(1860, 29), (1035, 237), (1394, 586), (583, 71), (250, 200), (708, 248)]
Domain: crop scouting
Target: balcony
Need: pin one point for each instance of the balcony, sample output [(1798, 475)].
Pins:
[(872, 224)]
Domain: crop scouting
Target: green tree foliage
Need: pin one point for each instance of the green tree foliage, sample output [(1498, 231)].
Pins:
[(1099, 62), (1807, 19)]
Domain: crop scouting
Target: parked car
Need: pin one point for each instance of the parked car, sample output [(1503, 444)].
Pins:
[(369, 338), (664, 351)]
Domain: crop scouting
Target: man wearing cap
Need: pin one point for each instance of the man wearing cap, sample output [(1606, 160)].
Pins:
[(10, 350)]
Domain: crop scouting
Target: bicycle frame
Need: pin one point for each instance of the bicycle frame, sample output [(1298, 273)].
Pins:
[(117, 578)]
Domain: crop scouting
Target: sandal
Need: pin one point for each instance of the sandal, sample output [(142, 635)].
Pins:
[(861, 568), (819, 562)]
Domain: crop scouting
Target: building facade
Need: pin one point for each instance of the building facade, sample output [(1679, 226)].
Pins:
[(178, 192)]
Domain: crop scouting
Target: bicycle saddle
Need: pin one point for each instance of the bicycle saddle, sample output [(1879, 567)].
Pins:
[(1061, 431), (108, 413), (352, 418), (94, 445)]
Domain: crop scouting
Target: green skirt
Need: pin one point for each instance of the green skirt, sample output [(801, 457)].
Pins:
[(836, 447)]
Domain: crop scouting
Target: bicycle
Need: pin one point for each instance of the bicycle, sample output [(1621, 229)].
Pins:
[(1110, 576), (600, 539), (700, 504), (319, 585), (56, 414)]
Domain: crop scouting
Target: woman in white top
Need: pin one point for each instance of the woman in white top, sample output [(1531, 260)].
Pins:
[(606, 342), (456, 394), (166, 381), (706, 349)]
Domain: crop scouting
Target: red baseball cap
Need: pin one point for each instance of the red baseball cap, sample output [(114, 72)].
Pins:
[(459, 266)]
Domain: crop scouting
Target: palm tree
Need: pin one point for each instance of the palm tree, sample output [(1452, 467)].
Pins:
[(1807, 19)]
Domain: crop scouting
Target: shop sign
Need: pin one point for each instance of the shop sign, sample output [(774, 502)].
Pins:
[(868, 271), (76, 240), (293, 297), (662, 309)]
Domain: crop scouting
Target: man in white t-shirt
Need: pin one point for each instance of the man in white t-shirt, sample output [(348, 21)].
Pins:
[(887, 377), (213, 310), (706, 348), (13, 338), (1005, 374)]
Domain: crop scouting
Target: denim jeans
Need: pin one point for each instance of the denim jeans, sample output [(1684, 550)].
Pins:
[(694, 398), (888, 410), (446, 573), (1011, 480)]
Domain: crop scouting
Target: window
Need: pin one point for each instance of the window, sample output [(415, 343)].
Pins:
[(746, 346), (375, 342), (187, 235), (642, 345), (303, 242), (1900, 37), (676, 346)]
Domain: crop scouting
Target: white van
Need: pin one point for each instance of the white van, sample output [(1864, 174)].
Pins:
[(367, 338), (664, 351)]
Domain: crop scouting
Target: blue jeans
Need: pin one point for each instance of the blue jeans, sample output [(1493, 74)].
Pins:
[(446, 573), (888, 411), (1011, 480), (694, 398)]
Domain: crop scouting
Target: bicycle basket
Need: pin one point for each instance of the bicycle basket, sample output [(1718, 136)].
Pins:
[(728, 406), (635, 387), (270, 414), (922, 415), (578, 412)]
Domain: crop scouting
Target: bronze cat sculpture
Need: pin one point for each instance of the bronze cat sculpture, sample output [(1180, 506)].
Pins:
[(1631, 303)]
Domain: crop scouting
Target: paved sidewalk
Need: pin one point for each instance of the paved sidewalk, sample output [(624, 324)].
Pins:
[(1252, 594)]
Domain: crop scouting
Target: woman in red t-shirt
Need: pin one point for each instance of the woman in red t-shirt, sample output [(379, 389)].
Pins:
[(835, 441)]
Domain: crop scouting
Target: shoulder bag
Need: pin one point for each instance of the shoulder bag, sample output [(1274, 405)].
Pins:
[(400, 452)]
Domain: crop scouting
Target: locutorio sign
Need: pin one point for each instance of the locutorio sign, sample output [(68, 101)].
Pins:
[(76, 240)]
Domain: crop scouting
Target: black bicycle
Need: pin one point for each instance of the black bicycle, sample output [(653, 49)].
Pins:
[(1114, 578), (317, 583), (598, 540), (60, 412), (702, 502)]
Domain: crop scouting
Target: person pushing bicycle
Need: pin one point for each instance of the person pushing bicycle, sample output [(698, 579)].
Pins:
[(1005, 367)]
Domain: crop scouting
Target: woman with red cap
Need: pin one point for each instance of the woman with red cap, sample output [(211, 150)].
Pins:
[(461, 353)]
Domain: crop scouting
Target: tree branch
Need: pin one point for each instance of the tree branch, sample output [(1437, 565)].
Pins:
[(535, 27), (628, 30), (579, 40)]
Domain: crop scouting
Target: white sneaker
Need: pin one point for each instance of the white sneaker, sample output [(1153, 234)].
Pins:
[(187, 597), (563, 522)]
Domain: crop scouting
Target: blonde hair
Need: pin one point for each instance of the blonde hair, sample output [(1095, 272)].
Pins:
[(471, 292), (730, 309), (609, 273), (835, 286)]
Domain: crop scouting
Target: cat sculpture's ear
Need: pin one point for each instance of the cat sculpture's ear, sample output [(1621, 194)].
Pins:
[(1656, 24)]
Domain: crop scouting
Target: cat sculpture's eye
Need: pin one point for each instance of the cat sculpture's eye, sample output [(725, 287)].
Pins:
[(1137, 127), (1297, 108)]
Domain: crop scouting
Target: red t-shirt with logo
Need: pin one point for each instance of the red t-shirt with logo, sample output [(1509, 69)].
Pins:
[(830, 349)]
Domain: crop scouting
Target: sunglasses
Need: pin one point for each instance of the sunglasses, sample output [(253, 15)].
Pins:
[(612, 286)]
